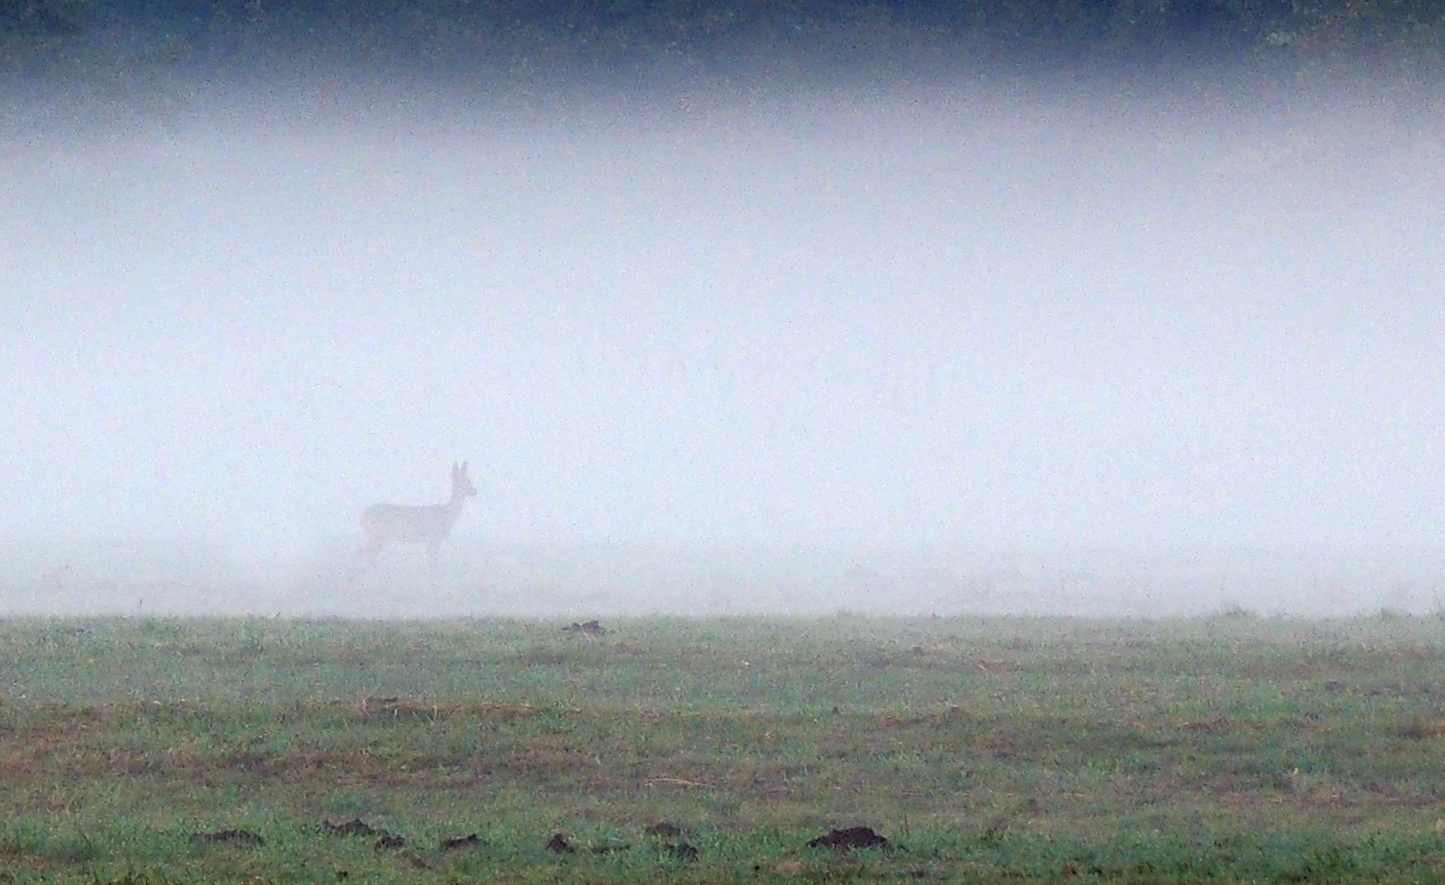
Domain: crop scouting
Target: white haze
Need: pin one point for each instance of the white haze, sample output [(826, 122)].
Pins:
[(921, 324)]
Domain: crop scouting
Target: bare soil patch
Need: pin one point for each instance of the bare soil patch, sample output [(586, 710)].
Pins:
[(609, 848), (681, 851), (233, 837), (585, 628), (850, 838), (663, 829), (559, 844), (354, 827)]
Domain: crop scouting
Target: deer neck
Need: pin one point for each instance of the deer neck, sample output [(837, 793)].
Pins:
[(453, 506)]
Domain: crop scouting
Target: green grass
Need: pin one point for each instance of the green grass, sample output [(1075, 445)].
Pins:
[(1228, 749)]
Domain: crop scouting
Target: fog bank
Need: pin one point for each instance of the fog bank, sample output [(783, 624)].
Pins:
[(953, 317)]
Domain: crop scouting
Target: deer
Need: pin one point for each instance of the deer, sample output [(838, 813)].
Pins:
[(383, 524)]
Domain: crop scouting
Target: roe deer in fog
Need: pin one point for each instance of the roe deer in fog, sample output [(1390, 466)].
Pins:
[(386, 523)]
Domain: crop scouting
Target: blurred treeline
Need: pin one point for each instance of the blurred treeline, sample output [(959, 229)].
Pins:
[(1398, 40)]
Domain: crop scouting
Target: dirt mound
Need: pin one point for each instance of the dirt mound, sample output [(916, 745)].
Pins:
[(681, 851), (235, 837), (664, 829), (461, 843), (386, 840), (559, 844), (608, 849), (586, 628), (354, 827), (852, 837)]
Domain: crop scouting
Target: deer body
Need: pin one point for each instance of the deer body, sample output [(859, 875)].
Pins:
[(384, 524)]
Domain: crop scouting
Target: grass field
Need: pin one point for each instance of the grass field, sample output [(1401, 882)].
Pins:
[(1232, 748)]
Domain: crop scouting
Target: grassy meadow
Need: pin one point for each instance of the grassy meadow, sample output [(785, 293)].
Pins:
[(1224, 749)]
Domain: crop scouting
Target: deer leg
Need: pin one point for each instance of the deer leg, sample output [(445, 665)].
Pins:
[(368, 553)]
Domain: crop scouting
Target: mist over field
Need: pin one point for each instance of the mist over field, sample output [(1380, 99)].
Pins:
[(968, 342)]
